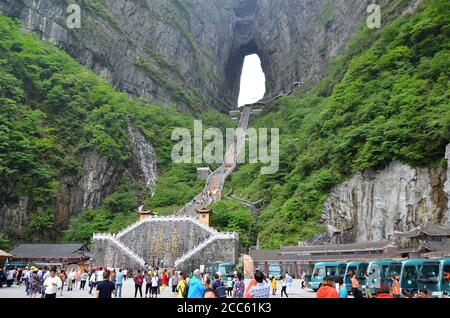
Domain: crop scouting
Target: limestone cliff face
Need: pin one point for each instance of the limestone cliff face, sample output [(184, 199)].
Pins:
[(373, 204), (191, 52), (99, 178)]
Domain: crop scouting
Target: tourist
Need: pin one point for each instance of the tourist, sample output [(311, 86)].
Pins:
[(355, 285), (384, 291), (24, 277), (274, 285), (83, 279), (125, 274), (283, 287), (174, 282), (219, 286), (343, 292), (34, 284), (155, 285), (207, 280), (251, 284), (239, 286), (303, 279), (327, 290), (2, 275), (148, 284), (396, 293), (164, 279), (113, 277), (181, 287), (260, 290), (196, 288), (51, 284), (138, 281), (71, 280), (210, 293), (423, 294), (119, 283), (229, 287), (289, 283), (10, 277), (105, 288), (92, 281), (372, 283), (63, 278), (99, 276)]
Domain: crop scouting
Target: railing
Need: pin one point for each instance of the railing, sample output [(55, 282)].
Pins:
[(112, 238), (219, 236)]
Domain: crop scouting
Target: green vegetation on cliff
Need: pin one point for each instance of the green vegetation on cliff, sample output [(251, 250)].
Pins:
[(386, 98), (52, 112)]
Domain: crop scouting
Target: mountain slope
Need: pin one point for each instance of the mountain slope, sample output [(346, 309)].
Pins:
[(68, 141), (387, 98)]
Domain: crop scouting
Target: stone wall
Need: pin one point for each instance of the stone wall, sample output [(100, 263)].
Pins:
[(106, 253), (164, 239), (220, 250)]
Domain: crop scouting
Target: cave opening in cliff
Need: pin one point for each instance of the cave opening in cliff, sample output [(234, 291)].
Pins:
[(253, 81)]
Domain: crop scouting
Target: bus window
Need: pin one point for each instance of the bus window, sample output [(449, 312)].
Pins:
[(320, 271), (331, 271), (362, 270), (341, 269), (429, 273), (394, 270)]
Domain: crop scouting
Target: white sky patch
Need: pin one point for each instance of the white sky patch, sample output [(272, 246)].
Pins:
[(253, 81)]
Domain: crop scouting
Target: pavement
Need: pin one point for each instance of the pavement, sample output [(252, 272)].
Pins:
[(128, 292)]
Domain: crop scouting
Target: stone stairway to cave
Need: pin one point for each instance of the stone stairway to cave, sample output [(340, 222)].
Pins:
[(215, 182)]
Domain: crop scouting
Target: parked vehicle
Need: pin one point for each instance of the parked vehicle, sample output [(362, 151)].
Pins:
[(380, 270), (274, 270), (332, 269), (434, 276), (409, 276), (226, 269)]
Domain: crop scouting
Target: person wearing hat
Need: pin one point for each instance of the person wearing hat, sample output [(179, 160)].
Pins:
[(196, 287)]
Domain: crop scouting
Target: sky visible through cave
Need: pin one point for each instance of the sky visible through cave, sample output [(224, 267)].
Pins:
[(253, 81)]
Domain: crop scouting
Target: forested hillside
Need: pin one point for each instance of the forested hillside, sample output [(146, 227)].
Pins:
[(53, 110), (386, 98)]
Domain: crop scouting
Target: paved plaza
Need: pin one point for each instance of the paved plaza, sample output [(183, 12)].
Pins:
[(128, 292)]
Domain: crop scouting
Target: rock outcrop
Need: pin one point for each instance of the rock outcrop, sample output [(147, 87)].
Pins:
[(191, 53), (373, 204), (98, 179)]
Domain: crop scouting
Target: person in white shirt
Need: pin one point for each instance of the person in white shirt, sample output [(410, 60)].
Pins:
[(52, 284)]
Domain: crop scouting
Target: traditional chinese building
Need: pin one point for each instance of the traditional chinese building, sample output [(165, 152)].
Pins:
[(3, 257), (50, 255)]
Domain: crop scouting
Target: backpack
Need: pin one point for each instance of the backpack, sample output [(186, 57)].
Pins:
[(221, 290), (139, 280), (185, 291)]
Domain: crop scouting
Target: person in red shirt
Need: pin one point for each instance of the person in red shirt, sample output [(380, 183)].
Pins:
[(385, 291), (327, 290)]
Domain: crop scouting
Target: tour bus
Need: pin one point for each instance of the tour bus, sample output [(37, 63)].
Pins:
[(226, 269), (332, 269), (395, 268), (380, 268), (360, 268), (274, 271), (409, 276), (434, 276)]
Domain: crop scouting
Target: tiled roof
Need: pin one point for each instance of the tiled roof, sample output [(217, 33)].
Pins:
[(427, 229), (48, 251), (362, 246)]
